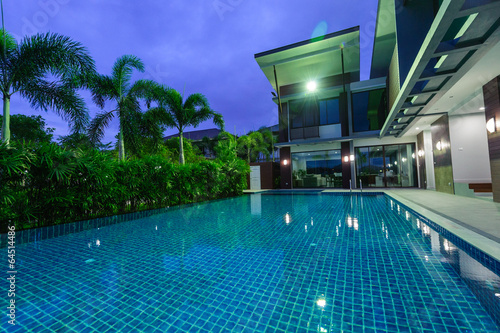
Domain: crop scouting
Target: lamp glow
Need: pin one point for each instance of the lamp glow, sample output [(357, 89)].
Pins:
[(351, 158), (346, 158), (311, 86), (439, 146), (285, 162), (491, 125)]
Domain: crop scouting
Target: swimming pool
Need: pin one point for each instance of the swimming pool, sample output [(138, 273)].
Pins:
[(258, 263)]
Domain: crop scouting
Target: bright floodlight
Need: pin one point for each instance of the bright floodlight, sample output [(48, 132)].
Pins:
[(311, 86)]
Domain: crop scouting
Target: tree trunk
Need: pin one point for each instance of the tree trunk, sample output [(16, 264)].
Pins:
[(181, 149), (6, 120), (121, 145)]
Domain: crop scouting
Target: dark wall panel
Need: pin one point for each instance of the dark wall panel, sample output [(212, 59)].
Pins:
[(346, 166), (286, 170), (269, 171), (491, 93), (283, 123), (443, 170)]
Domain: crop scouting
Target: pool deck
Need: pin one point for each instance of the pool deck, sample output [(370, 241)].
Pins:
[(475, 220)]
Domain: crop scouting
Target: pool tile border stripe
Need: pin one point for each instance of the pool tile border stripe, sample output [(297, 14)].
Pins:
[(482, 257), (38, 234)]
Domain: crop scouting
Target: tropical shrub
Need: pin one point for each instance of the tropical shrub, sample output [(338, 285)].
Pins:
[(43, 184)]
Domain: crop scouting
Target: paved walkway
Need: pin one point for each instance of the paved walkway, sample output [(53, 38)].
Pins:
[(475, 220)]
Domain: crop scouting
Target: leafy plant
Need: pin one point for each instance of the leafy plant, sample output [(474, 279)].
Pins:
[(46, 69)]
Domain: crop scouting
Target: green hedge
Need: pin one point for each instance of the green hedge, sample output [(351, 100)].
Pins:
[(44, 184)]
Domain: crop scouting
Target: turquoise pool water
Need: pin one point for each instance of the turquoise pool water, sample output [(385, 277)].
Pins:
[(257, 263)]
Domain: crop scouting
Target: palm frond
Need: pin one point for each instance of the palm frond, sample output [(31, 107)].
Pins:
[(122, 71), (55, 53), (102, 89), (98, 124), (62, 99)]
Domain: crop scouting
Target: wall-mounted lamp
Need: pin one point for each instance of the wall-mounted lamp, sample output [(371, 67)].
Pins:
[(421, 153), (311, 86), (285, 162), (439, 145), (346, 158), (491, 125)]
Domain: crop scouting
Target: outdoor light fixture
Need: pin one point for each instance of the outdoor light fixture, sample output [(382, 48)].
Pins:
[(311, 86), (285, 162), (420, 153), (491, 125), (351, 158), (346, 158), (439, 146)]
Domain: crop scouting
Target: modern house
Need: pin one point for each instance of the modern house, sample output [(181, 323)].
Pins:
[(428, 117)]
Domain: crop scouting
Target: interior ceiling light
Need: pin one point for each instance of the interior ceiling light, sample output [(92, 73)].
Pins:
[(311, 85)]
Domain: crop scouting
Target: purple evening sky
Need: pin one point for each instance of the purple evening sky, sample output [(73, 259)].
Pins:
[(204, 46)]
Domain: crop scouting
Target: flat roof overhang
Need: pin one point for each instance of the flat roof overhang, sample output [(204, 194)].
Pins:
[(442, 62), (312, 59)]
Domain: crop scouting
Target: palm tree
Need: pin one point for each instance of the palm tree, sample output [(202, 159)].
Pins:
[(173, 111), (45, 69), (250, 145), (118, 88), (269, 139)]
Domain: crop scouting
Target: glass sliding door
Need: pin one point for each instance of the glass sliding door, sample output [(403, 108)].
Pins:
[(317, 169), (386, 166), (370, 166)]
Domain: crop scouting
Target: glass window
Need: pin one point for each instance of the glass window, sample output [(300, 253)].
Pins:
[(369, 110), (386, 166), (317, 169), (323, 115), (311, 112), (329, 111), (305, 112), (295, 114)]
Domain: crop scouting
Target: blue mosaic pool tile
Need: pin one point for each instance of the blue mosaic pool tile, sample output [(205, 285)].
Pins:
[(239, 265)]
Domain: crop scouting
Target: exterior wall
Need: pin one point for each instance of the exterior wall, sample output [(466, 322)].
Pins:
[(330, 131), (491, 92), (315, 147), (393, 81), (383, 141), (443, 170), (429, 161), (325, 82), (469, 149), (421, 161)]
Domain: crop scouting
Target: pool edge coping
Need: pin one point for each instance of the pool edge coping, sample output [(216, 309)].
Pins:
[(480, 242)]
